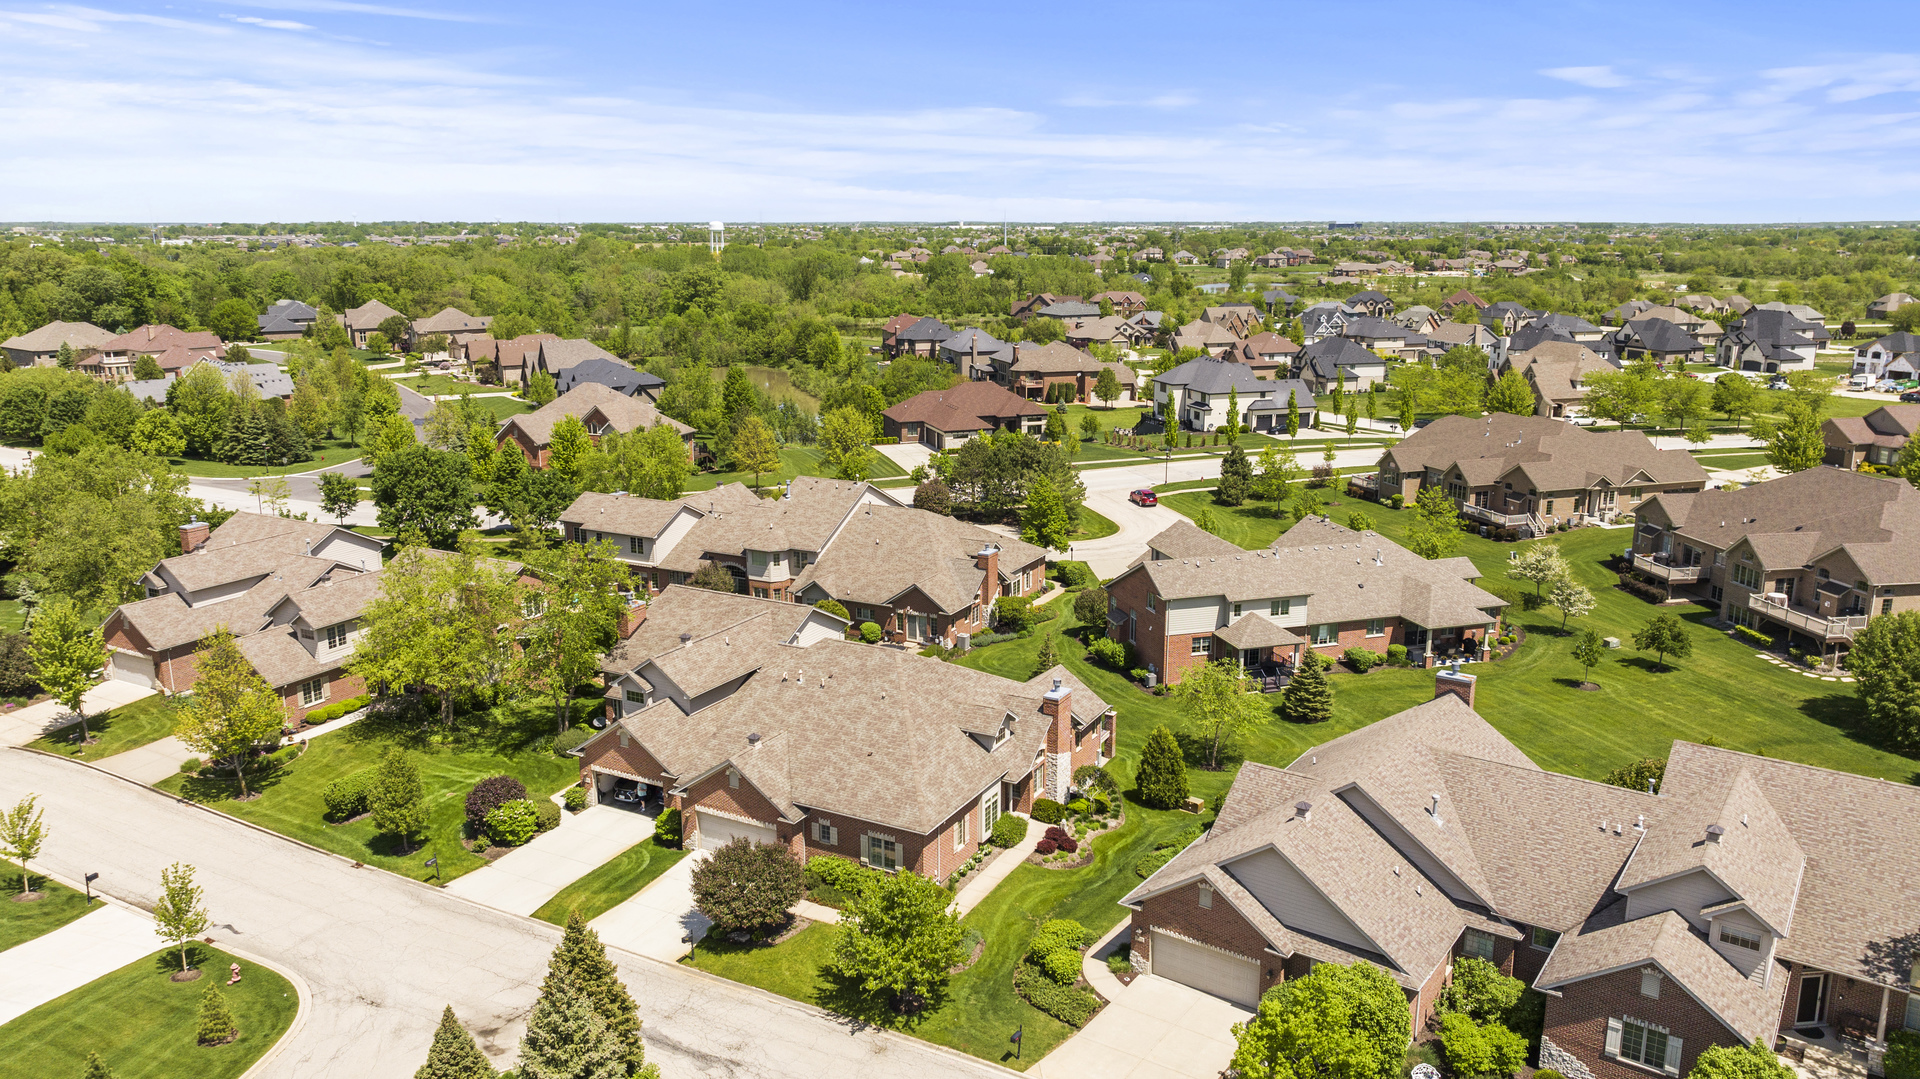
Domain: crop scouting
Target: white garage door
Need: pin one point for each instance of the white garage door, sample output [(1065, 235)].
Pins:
[(1207, 970), (127, 667), (717, 831)]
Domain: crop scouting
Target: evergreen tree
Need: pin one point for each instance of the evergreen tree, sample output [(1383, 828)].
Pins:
[(1162, 778), (1236, 477), (216, 1022), (397, 800), (1308, 698), (284, 441), (1233, 416), (244, 442), (1293, 416), (582, 958), (454, 1054), (1048, 658), (567, 1039), (147, 368), (97, 1068), (65, 358)]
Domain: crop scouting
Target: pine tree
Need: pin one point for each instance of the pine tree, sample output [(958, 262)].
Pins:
[(1236, 477), (97, 1068), (1048, 658), (1162, 778), (1308, 698), (582, 958), (567, 1039), (454, 1054), (216, 1022)]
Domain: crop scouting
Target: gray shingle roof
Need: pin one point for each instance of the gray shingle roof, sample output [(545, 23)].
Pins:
[(883, 552), (589, 398), (613, 374)]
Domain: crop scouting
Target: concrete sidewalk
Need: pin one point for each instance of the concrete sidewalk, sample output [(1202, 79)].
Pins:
[(150, 763), (982, 885), (520, 881), (91, 946), (23, 725), (660, 922)]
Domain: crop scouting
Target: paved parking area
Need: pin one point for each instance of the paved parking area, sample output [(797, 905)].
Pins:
[(520, 882), (1152, 1029), (660, 922), (91, 946)]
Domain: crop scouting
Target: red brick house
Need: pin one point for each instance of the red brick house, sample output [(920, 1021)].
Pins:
[(599, 406), (1197, 598), (174, 349), (1749, 900), (755, 719)]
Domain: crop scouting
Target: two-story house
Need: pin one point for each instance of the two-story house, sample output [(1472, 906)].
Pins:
[(1770, 340), (599, 406), (756, 720), (1319, 585), (1895, 356), (1813, 554), (1873, 439), (41, 347), (173, 349), (1750, 900), (944, 419), (1530, 472), (1384, 336), (1202, 389), (361, 322), (456, 325), (1338, 361)]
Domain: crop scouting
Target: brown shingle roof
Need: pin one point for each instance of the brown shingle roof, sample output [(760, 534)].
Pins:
[(970, 406), (1792, 520), (368, 316), (883, 551), (1552, 454), (624, 413), (451, 320), (83, 336), (154, 339)]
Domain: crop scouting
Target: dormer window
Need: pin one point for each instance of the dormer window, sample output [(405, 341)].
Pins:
[(337, 635)]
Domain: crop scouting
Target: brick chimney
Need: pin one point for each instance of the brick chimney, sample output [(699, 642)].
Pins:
[(988, 560), (1451, 680), (1058, 704), (192, 535)]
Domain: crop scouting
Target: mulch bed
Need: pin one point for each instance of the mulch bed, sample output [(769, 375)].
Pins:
[(795, 923), (184, 976), (1520, 638), (979, 949), (1084, 856), (29, 897), (992, 853)]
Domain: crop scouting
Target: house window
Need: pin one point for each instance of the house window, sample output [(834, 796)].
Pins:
[(1152, 602), (865, 614), (636, 545), (759, 593), (533, 605), (1206, 896), (1739, 938), (1376, 627), (990, 805), (634, 696), (1202, 646), (917, 627), (312, 693), (1477, 943), (960, 832), (733, 778), (1643, 1043), (1716, 593), (1650, 984), (1886, 606), (1236, 610), (1544, 939), (1746, 576), (337, 636), (1325, 633), (1913, 1011), (882, 853), (825, 834), (1279, 607)]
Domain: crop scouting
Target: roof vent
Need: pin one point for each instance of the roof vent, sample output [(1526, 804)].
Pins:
[(686, 639), (753, 740), (1714, 832), (1433, 810), (1641, 824), (1303, 810)]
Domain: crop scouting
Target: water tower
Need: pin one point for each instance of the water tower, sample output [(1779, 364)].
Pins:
[(716, 237)]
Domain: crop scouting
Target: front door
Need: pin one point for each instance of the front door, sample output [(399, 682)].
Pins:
[(1813, 999)]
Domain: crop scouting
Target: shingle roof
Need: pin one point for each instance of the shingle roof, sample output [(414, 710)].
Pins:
[(613, 374), (1184, 539), (1327, 355), (1554, 455), (48, 338), (969, 406), (882, 552), (1659, 335), (557, 355), (925, 329), (1755, 856), (451, 320), (700, 611), (1051, 357), (368, 316), (154, 339), (1791, 520), (624, 413), (1208, 375), (804, 520)]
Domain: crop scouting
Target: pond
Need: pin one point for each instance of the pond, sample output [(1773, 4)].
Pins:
[(776, 381)]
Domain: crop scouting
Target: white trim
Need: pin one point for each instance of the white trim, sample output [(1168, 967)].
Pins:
[(735, 817), (1202, 943)]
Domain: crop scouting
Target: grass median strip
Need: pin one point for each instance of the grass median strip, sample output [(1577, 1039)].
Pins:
[(21, 922), (130, 726), (612, 884)]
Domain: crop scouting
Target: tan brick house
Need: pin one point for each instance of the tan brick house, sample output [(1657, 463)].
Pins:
[(755, 719), (1319, 586), (1749, 900), (1531, 472), (599, 406)]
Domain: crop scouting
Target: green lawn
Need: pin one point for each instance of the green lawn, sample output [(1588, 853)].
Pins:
[(148, 719), (328, 453), (21, 922), (511, 740), (612, 884), (13, 617), (434, 384), (144, 1025), (1724, 690), (1094, 526), (504, 407), (1733, 460)]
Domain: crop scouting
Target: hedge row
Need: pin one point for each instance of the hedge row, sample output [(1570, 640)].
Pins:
[(336, 710)]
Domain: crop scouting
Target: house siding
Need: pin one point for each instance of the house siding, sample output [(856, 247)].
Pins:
[(1576, 1021), (1179, 911)]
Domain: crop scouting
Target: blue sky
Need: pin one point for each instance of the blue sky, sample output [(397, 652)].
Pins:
[(251, 110)]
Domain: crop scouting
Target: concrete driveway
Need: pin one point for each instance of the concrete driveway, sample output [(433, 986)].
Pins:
[(660, 922), (91, 946), (23, 725), (908, 455), (1152, 1029), (380, 955), (519, 882)]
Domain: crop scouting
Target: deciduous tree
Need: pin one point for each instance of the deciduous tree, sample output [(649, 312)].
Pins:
[(157, 434), (1572, 598), (1539, 563), (424, 490), (1797, 444), (578, 613), (1336, 1022), (179, 916), (1217, 706), (1885, 661), (67, 654), (1664, 635), (568, 448), (1588, 651), (1511, 393), (754, 449), (339, 495), (21, 835), (1435, 532), (437, 623), (1045, 521), (232, 710), (396, 803), (845, 435), (900, 936), (747, 886)]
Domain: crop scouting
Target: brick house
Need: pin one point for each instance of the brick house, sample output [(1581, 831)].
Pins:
[(1196, 598), (1029, 370), (1873, 439), (920, 576), (755, 719), (458, 326), (504, 362), (1531, 472), (290, 591), (1811, 555), (174, 349), (601, 407), (41, 347), (943, 419), (361, 322), (1749, 900)]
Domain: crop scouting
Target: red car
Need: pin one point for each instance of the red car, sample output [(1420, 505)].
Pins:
[(1144, 497)]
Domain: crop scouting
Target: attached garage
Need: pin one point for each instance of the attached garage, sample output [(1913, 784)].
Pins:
[(131, 667), (717, 831), (1206, 969)]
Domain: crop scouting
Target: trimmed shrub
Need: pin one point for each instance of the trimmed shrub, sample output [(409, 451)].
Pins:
[(513, 823), (1048, 811), (1397, 655), (1045, 846), (490, 794), (1139, 674), (1475, 1049), (346, 797), (666, 828), (1008, 831), (870, 632), (1107, 650), (1078, 807), (1548, 1073), (747, 886), (1397, 500), (836, 881), (546, 814), (1057, 936), (1753, 636), (572, 738), (1118, 963), (1068, 1003), (1149, 865), (190, 766), (1067, 845), (1078, 574), (1478, 990), (576, 798), (1362, 659), (1903, 1055), (1014, 614)]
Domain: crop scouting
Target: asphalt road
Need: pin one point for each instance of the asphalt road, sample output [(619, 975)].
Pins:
[(381, 955)]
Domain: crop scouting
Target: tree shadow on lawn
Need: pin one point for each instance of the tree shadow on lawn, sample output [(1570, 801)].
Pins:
[(1846, 713), (261, 778), (854, 1006), (1194, 749), (166, 961), (1651, 665), (509, 728)]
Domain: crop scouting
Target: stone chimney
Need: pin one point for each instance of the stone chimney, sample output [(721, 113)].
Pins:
[(1452, 681), (192, 535)]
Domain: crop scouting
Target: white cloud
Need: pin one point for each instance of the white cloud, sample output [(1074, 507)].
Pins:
[(346, 7), (1599, 78), (270, 24)]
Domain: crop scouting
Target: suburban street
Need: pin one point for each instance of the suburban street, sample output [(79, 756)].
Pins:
[(382, 955)]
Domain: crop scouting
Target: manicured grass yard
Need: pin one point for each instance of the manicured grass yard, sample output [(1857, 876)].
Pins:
[(12, 615), (21, 922), (328, 453), (510, 740), (1094, 526), (148, 719), (435, 384), (612, 884), (144, 1026)]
